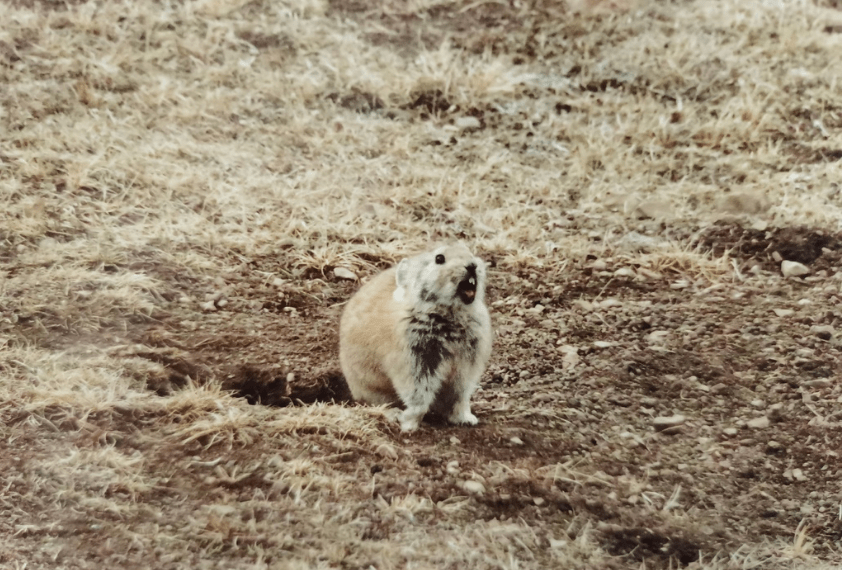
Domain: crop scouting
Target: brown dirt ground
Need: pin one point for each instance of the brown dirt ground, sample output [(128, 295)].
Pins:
[(591, 346)]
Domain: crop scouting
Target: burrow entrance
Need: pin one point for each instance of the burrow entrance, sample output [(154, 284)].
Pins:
[(258, 384)]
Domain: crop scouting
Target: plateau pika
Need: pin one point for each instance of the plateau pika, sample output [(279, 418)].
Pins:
[(419, 334)]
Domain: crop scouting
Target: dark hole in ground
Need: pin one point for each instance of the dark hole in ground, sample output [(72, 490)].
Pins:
[(797, 243), (639, 543), (433, 101), (357, 101), (266, 385), (328, 386), (651, 371), (512, 497), (179, 371), (258, 385)]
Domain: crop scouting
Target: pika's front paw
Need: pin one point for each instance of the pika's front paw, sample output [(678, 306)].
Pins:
[(409, 422), (465, 418)]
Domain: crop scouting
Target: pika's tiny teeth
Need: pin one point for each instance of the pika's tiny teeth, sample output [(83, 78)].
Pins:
[(472, 281)]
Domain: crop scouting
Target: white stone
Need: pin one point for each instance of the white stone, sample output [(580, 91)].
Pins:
[(387, 450), (467, 123), (657, 337), (343, 273), (665, 422), (637, 242), (474, 487), (654, 208), (793, 269), (824, 332), (784, 312), (818, 383), (758, 423)]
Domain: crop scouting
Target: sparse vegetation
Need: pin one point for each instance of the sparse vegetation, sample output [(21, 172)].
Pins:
[(178, 181)]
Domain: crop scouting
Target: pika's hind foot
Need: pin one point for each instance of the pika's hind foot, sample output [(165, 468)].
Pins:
[(461, 414)]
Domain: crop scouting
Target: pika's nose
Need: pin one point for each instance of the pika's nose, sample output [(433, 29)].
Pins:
[(472, 268)]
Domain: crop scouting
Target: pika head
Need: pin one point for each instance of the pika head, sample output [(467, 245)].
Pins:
[(447, 276)]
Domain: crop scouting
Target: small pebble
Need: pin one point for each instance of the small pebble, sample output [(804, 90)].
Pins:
[(775, 411), (654, 208), (730, 431), (466, 123), (824, 332), (387, 450), (664, 422), (784, 312), (818, 383), (657, 337), (793, 269), (455, 440), (516, 441), (343, 273), (758, 423), (208, 306), (474, 487)]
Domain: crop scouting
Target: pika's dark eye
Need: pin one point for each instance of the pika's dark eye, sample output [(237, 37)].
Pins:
[(439, 259)]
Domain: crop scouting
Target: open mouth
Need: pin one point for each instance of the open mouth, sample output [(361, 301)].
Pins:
[(467, 289)]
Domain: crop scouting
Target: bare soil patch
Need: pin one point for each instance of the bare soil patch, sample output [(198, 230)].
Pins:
[(180, 183)]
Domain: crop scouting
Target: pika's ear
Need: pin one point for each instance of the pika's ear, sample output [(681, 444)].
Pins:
[(402, 274)]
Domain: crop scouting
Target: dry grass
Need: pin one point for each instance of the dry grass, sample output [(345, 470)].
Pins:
[(153, 153)]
